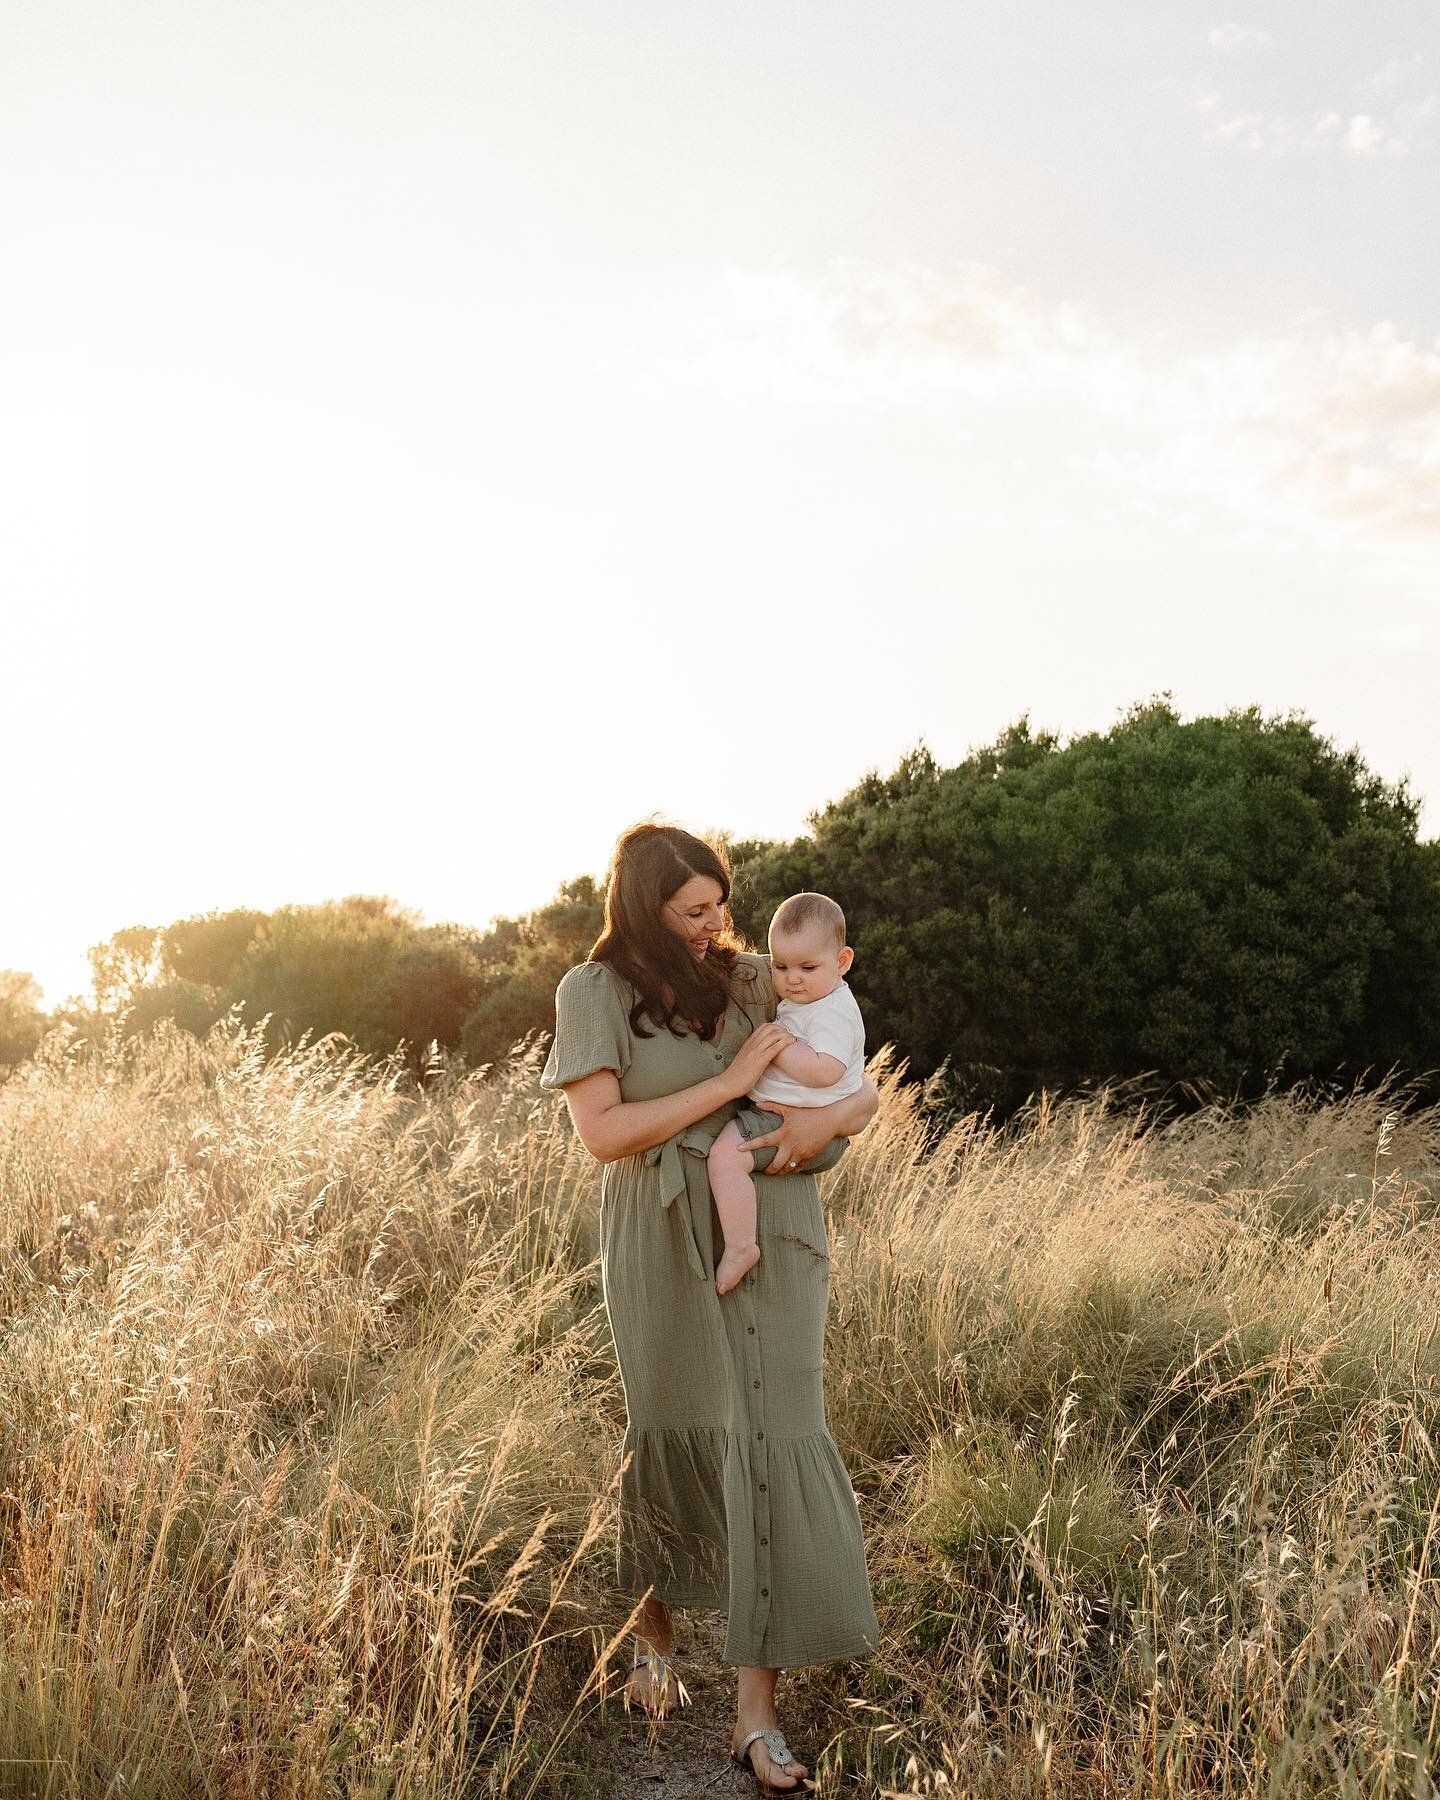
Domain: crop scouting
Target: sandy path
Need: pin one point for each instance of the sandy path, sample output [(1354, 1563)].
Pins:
[(688, 1757)]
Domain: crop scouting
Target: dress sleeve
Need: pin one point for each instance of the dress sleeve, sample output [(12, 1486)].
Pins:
[(592, 1029)]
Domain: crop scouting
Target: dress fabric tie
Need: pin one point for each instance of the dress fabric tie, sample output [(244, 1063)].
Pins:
[(695, 1141)]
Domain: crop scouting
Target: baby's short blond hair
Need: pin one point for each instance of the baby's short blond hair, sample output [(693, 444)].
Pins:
[(803, 910)]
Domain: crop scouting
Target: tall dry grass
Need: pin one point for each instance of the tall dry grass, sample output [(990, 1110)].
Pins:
[(304, 1409), (1147, 1417), (309, 1429)]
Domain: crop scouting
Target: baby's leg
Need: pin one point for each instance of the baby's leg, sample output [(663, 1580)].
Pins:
[(734, 1191)]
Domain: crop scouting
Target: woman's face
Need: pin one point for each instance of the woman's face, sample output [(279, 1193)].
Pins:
[(696, 912)]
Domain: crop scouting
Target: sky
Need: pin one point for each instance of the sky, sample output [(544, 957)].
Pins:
[(433, 437)]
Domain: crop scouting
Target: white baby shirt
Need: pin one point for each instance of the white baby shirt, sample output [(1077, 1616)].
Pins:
[(834, 1027)]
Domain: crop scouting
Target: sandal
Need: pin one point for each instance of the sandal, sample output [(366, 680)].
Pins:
[(780, 1754), (655, 1699)]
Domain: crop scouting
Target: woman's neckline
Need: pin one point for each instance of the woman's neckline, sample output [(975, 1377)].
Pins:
[(713, 1043)]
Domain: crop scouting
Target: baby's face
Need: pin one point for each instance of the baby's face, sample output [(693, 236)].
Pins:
[(807, 964)]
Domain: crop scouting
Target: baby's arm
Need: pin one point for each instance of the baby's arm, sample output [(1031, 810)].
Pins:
[(811, 1068)]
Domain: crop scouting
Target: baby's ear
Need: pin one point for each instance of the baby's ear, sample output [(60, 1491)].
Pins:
[(846, 957)]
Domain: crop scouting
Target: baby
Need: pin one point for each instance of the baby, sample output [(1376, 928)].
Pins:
[(808, 960)]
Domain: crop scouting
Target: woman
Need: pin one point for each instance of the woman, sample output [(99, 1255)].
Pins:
[(736, 1496)]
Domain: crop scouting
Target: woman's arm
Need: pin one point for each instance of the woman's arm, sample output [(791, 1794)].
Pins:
[(806, 1130), (610, 1127)]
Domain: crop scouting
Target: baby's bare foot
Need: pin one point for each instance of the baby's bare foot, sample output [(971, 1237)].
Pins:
[(733, 1264)]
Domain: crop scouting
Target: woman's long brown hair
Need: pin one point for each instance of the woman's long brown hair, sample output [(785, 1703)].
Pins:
[(650, 864)]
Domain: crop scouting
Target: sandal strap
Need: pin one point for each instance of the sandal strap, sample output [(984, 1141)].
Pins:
[(774, 1743), (659, 1671)]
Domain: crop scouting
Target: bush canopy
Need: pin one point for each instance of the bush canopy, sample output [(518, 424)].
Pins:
[(1218, 905)]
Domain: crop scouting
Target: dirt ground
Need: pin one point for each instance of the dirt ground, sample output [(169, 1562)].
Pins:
[(688, 1755)]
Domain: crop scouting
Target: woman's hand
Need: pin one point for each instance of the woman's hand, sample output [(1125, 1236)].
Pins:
[(805, 1131), (755, 1055)]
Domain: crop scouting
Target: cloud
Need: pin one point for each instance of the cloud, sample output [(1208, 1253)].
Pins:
[(1416, 116), (1396, 74), (1231, 37), (1306, 438), (1366, 138), (1388, 122), (1277, 135)]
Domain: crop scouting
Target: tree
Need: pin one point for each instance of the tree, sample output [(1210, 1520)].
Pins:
[(209, 948), (1223, 901), (1219, 901), (364, 966), (330, 967), (519, 995), (123, 964), (22, 1023)]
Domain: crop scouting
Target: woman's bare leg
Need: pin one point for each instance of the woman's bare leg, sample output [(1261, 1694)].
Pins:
[(656, 1627), (655, 1630), (734, 1191), (754, 1708)]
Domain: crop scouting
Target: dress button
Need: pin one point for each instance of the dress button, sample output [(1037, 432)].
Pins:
[(764, 1593), (751, 1330), (759, 1434), (764, 1540), (757, 1384), (762, 1487)]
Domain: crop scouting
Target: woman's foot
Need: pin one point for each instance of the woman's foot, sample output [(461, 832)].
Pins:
[(734, 1263), (655, 1688), (778, 1778)]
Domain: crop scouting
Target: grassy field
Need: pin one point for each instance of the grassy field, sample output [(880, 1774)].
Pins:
[(310, 1423)]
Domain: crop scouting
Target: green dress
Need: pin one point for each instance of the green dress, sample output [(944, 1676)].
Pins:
[(736, 1496)]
